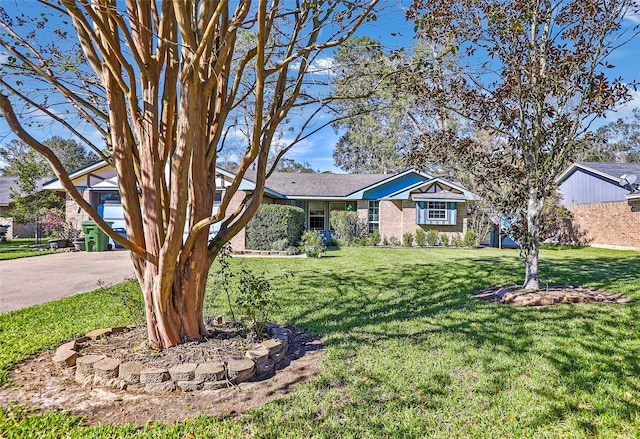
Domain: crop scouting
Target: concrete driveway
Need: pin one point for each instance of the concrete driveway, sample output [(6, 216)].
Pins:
[(39, 279)]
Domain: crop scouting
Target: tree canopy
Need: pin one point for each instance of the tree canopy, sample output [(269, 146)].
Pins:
[(530, 77), (160, 82), (373, 125)]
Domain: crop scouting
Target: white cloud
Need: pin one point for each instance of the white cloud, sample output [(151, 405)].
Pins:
[(625, 111), (318, 65)]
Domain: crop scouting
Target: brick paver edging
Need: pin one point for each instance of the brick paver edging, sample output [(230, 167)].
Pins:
[(100, 370)]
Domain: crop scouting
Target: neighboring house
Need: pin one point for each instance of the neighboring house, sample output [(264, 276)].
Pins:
[(604, 199), (392, 204), (15, 230)]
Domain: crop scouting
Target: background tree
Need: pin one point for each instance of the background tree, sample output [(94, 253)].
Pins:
[(530, 75), (16, 153), (290, 165), (617, 141), (159, 81), (374, 126)]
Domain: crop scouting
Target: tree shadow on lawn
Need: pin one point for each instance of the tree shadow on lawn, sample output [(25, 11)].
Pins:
[(591, 349)]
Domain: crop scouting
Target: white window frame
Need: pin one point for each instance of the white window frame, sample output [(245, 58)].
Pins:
[(323, 216), (373, 224)]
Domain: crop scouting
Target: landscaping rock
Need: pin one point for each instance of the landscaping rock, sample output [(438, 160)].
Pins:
[(190, 386), (278, 357), (130, 371), (209, 372), (65, 358), (240, 370), (257, 355), (272, 345), (215, 385), (154, 375), (69, 346), (183, 372), (162, 387), (106, 368), (117, 329), (98, 333), (265, 367), (84, 365)]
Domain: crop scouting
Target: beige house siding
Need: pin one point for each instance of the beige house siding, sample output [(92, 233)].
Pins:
[(609, 224)]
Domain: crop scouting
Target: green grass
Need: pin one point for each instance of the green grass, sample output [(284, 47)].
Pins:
[(410, 352), (20, 248)]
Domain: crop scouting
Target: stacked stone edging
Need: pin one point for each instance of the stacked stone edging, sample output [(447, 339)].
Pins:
[(101, 370)]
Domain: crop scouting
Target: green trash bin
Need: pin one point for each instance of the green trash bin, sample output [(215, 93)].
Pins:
[(95, 240)]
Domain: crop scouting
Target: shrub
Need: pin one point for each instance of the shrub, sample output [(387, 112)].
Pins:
[(432, 237), (374, 238), (311, 243), (407, 239), (385, 241), (470, 238), (275, 222), (444, 239), (456, 240), (344, 223), (280, 244), (394, 241), (421, 237), (333, 242)]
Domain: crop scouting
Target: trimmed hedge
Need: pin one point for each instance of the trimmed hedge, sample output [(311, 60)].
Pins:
[(275, 222)]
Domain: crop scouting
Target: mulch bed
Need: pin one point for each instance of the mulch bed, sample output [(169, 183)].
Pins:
[(549, 296)]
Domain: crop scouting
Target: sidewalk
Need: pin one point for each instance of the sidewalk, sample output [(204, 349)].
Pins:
[(39, 279)]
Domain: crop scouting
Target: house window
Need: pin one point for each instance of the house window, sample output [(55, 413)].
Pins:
[(316, 215), (217, 198), (374, 216), (436, 210)]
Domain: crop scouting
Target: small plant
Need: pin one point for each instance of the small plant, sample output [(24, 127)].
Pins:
[(394, 241), (255, 300), (432, 237), (333, 242), (444, 239), (456, 240), (385, 241), (312, 243), (470, 238), (421, 237), (374, 238), (280, 244), (291, 250), (57, 226), (407, 239)]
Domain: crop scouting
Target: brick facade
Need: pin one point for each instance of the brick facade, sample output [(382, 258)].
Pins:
[(238, 242), (399, 217), (614, 224)]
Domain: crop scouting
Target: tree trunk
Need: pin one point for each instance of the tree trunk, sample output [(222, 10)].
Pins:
[(174, 310), (531, 244)]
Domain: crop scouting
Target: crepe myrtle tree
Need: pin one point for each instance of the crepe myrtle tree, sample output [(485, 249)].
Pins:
[(530, 76), (158, 80)]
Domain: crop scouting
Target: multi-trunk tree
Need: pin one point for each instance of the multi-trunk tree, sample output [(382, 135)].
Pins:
[(159, 80), (530, 76)]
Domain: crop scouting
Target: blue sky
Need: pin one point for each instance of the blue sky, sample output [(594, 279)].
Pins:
[(394, 32)]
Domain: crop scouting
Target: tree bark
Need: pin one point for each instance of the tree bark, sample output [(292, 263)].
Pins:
[(531, 244)]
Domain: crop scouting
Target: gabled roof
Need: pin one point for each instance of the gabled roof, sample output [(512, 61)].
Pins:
[(303, 185), (459, 192), (6, 183), (610, 171)]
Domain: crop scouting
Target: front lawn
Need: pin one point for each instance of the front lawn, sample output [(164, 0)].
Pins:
[(23, 248), (410, 352)]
